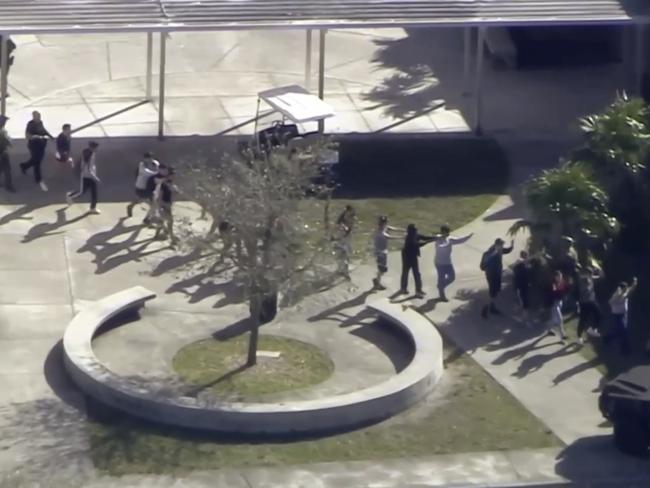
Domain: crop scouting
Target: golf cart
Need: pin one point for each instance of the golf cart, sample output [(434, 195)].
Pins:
[(625, 402), (297, 108)]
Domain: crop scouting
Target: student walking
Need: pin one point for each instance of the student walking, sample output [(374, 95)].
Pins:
[(522, 283), (442, 260), (37, 136), (5, 162), (590, 315), (558, 291), (380, 242), (162, 203), (64, 146), (345, 224), (144, 185), (492, 266), (410, 260), (619, 306), (88, 177)]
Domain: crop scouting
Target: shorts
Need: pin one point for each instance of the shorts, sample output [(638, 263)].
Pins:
[(143, 194), (494, 284), (382, 262)]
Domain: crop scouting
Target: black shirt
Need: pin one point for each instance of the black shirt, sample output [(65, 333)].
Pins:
[(63, 143), (36, 128), (412, 245), (521, 274)]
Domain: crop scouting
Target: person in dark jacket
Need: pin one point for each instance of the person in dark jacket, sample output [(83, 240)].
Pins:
[(64, 145), (37, 136), (521, 280), (410, 259), (5, 162), (492, 265)]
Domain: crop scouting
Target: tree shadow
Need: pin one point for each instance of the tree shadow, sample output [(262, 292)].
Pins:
[(202, 286), (592, 461), (197, 390), (51, 228), (181, 261), (414, 87), (234, 330)]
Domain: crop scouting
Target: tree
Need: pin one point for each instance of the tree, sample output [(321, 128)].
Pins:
[(567, 201), (267, 204)]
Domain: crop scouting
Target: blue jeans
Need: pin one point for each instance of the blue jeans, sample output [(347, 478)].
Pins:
[(446, 276)]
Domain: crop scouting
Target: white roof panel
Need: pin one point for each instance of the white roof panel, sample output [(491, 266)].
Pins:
[(297, 104), (43, 16)]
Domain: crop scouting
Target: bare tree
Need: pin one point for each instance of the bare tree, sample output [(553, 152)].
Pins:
[(269, 212)]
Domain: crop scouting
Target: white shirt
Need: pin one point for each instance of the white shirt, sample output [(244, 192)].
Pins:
[(444, 246), (381, 242), (144, 173), (618, 304)]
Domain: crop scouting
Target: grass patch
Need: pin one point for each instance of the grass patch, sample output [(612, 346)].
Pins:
[(468, 412), (219, 366)]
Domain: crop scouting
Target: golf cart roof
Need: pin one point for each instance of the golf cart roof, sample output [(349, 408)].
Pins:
[(296, 103)]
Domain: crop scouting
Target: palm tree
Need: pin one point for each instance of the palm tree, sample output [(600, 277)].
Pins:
[(567, 201)]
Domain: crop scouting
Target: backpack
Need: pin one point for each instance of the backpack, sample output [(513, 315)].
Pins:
[(484, 259)]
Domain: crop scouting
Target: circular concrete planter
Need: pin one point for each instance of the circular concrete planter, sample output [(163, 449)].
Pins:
[(165, 404)]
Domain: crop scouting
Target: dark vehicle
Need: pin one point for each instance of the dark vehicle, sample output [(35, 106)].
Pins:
[(625, 402)]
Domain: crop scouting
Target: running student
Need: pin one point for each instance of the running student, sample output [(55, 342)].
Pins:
[(522, 277), (162, 202), (444, 266), (492, 266), (144, 185), (64, 145), (380, 241), (345, 224), (88, 177), (5, 162), (619, 306), (37, 136)]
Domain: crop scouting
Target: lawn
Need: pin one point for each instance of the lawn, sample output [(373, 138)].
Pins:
[(218, 366), (468, 412)]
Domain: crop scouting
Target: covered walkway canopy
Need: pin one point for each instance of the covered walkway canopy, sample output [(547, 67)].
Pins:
[(162, 16), (67, 16)]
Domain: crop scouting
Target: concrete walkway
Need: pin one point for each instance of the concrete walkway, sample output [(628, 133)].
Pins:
[(389, 80), (53, 260)]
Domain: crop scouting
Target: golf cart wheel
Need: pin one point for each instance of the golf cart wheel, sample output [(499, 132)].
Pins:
[(631, 437)]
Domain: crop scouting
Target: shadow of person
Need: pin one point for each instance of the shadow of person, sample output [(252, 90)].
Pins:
[(536, 362), (51, 228), (580, 368), (21, 213), (335, 313), (201, 286), (131, 254)]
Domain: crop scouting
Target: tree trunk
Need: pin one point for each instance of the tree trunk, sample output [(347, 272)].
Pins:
[(255, 330)]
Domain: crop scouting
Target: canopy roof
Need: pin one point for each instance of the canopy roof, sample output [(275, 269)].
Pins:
[(65, 16), (297, 104)]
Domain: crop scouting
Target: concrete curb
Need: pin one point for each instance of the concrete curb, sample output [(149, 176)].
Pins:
[(168, 404)]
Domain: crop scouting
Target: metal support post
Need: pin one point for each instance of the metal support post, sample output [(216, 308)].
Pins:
[(149, 64), (4, 69), (321, 74), (308, 50), (639, 52), (161, 87), (478, 88), (467, 59)]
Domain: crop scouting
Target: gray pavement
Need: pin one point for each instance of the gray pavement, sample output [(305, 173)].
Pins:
[(52, 261), (388, 80)]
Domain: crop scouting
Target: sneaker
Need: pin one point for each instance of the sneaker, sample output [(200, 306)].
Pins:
[(68, 199), (419, 294), (43, 186), (443, 298), (94, 211), (403, 291)]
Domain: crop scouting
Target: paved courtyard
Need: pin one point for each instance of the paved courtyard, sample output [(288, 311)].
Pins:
[(386, 80), (53, 259)]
